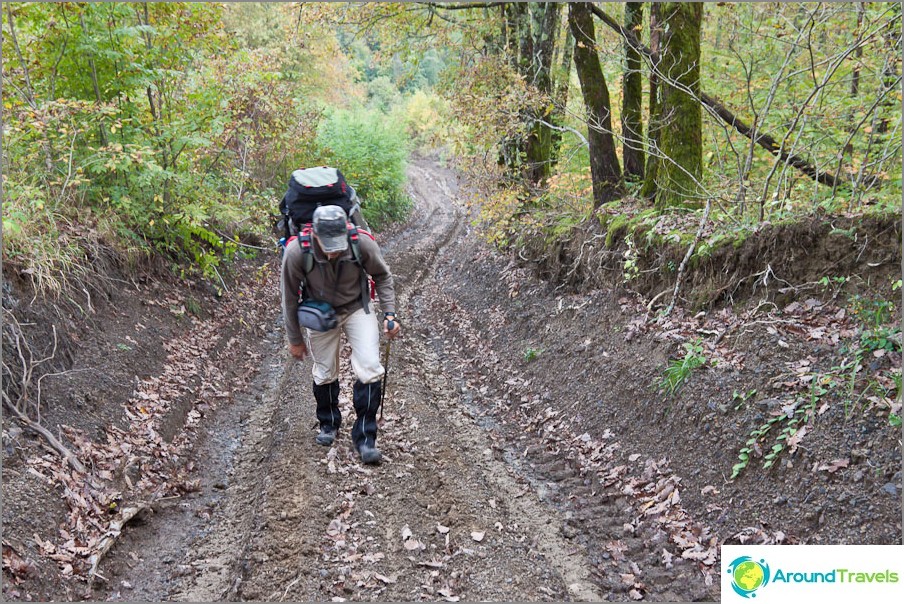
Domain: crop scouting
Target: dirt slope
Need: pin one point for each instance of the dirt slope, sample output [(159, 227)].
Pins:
[(525, 456)]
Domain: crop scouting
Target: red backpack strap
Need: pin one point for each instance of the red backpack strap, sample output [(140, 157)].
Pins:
[(373, 285), (367, 290), (304, 241)]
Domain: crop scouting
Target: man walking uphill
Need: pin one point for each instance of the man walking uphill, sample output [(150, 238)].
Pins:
[(329, 276)]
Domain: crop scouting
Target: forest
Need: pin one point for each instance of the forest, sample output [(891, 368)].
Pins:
[(676, 174)]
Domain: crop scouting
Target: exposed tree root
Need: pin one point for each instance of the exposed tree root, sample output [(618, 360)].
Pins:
[(113, 531), (60, 448)]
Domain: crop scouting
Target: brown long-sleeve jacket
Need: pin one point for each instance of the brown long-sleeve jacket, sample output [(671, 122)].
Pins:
[(335, 281)]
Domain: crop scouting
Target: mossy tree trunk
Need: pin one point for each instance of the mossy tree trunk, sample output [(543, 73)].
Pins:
[(540, 145), (680, 119), (605, 172), (517, 43), (648, 191), (632, 98), (563, 84)]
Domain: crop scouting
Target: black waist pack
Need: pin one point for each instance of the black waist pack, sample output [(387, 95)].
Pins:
[(317, 315)]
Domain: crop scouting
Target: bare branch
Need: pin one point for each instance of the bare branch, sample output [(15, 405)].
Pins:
[(764, 140), (687, 257)]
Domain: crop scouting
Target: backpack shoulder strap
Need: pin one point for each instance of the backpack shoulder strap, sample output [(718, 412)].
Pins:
[(307, 253), (355, 246)]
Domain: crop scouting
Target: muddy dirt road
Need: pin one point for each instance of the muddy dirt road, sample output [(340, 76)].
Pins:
[(471, 502)]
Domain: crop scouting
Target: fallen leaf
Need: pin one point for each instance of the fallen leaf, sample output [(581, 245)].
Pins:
[(794, 441), (667, 558), (18, 566), (384, 578), (834, 465)]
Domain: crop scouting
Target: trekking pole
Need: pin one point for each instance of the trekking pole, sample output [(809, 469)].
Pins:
[(390, 326)]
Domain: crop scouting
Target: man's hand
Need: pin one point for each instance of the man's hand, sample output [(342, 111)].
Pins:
[(396, 328), (299, 351)]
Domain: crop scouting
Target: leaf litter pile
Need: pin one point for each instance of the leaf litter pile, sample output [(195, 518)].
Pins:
[(136, 468)]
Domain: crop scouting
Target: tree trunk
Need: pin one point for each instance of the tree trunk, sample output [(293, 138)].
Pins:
[(563, 82), (719, 110), (648, 190), (680, 113), (29, 92), (517, 34), (101, 131), (605, 172), (539, 150), (632, 98), (858, 54), (892, 38)]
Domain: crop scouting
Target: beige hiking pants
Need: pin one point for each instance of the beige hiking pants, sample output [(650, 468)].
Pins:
[(363, 333)]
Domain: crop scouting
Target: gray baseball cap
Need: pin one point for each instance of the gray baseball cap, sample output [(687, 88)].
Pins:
[(330, 227)]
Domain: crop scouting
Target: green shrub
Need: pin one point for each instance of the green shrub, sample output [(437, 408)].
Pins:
[(678, 370), (371, 151)]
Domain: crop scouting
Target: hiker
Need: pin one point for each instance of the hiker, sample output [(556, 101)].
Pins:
[(335, 299)]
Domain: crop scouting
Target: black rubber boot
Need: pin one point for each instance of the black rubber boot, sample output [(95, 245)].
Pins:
[(328, 414), (366, 398)]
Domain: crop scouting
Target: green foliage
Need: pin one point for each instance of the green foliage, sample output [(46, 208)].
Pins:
[(531, 354), (427, 120), (740, 398), (371, 150), (382, 94), (679, 370), (144, 128), (787, 423), (875, 316), (630, 269)]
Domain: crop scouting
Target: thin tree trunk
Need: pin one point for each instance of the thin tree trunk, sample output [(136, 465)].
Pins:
[(156, 110), (648, 190), (539, 146), (101, 131), (632, 98), (680, 114), (890, 71), (717, 109), (858, 54), (516, 30), (605, 172), (29, 92), (562, 88)]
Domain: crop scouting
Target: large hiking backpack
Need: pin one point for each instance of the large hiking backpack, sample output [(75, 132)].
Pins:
[(310, 188)]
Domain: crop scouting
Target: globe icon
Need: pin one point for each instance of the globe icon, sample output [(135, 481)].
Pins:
[(748, 575)]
